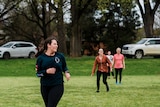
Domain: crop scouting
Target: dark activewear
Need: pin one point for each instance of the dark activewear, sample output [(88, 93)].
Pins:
[(51, 84)]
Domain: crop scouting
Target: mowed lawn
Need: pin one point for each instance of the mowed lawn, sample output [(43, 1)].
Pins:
[(19, 87), (135, 91)]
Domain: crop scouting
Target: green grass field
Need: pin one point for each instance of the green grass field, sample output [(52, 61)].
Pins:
[(140, 85)]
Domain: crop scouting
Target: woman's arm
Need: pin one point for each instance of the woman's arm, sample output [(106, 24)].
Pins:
[(94, 67), (123, 62)]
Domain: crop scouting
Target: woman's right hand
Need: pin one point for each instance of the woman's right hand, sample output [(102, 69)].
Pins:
[(92, 74), (51, 70)]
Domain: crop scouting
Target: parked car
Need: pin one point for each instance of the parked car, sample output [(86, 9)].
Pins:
[(146, 46), (18, 49)]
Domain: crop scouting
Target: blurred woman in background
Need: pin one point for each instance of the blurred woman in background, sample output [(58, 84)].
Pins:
[(101, 61), (119, 64)]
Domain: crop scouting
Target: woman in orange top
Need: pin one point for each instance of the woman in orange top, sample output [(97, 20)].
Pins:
[(101, 60)]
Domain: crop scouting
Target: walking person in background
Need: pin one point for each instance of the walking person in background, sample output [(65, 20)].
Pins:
[(119, 64), (49, 66), (110, 57), (101, 61)]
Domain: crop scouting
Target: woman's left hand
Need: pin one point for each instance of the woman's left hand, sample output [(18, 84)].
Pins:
[(67, 74), (111, 69)]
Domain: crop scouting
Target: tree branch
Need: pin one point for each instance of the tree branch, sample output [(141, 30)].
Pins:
[(157, 3), (52, 5), (140, 7)]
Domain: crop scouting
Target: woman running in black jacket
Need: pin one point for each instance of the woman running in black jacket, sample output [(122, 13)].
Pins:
[(49, 66)]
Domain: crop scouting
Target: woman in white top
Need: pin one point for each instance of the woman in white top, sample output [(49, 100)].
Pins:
[(110, 57)]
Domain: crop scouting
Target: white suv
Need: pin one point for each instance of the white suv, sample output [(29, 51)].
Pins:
[(18, 49), (146, 46)]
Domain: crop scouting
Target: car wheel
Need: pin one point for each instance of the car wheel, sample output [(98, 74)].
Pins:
[(31, 55), (139, 54), (6, 55)]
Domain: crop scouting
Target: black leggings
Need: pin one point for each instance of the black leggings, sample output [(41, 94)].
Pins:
[(109, 71), (104, 79), (118, 71), (52, 94)]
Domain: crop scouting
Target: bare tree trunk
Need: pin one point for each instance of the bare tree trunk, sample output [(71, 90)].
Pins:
[(49, 18), (148, 15), (77, 9), (60, 29), (75, 39), (148, 25), (44, 26)]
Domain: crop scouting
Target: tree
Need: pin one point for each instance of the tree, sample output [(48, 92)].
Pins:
[(41, 20), (7, 7), (32, 22), (148, 14), (77, 9), (157, 21), (41, 16), (118, 21), (60, 23)]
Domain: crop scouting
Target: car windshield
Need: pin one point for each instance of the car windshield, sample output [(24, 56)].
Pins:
[(8, 45), (141, 41)]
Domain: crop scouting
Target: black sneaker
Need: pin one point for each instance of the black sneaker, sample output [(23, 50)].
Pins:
[(107, 88), (97, 91)]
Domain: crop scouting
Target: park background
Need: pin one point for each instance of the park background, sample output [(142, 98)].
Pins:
[(81, 26), (91, 24)]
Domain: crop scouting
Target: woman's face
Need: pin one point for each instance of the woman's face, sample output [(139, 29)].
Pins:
[(109, 52), (53, 46), (100, 51), (118, 50)]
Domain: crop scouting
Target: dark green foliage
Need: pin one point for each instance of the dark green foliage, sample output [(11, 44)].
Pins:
[(117, 26)]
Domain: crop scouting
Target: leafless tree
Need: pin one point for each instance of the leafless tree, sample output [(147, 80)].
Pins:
[(148, 14)]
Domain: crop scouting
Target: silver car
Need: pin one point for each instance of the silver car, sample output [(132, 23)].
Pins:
[(15, 49)]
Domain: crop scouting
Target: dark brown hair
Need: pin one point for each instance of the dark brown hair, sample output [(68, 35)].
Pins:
[(47, 41)]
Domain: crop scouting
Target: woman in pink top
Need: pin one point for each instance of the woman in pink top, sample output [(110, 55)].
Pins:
[(119, 64)]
